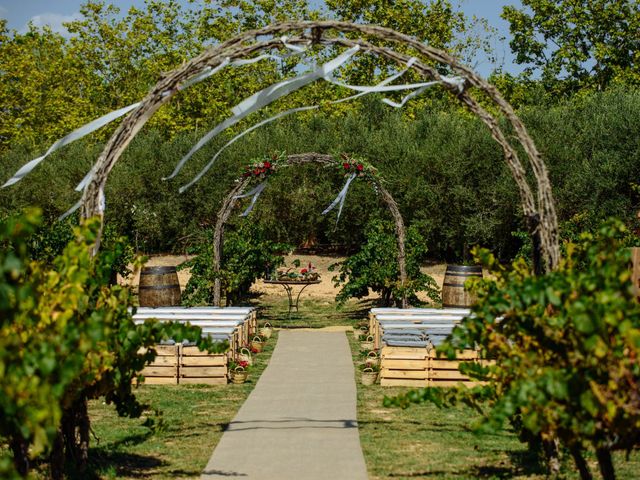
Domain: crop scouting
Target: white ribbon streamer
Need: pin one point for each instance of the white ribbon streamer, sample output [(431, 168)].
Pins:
[(72, 137), (256, 193), (284, 114), (111, 116), (238, 137), (71, 210), (263, 98), (340, 198)]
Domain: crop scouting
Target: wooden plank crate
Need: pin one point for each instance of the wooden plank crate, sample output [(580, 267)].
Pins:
[(164, 369), (202, 367), (445, 373), (420, 367), (404, 366)]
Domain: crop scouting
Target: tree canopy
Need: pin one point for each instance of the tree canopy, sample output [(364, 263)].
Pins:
[(589, 43)]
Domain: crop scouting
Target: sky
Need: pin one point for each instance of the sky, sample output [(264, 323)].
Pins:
[(54, 12)]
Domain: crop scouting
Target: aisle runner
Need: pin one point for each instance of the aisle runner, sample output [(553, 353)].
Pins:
[(300, 420)]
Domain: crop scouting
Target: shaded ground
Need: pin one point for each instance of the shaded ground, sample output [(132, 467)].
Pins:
[(324, 290)]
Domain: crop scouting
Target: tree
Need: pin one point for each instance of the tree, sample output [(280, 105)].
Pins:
[(565, 348), (588, 43), (44, 89)]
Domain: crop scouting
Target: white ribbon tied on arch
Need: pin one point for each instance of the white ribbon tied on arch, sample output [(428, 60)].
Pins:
[(259, 100), (289, 112), (72, 137), (340, 198), (256, 193), (111, 116)]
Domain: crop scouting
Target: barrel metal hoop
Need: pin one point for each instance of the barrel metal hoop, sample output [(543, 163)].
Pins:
[(158, 287), (157, 270), (465, 269)]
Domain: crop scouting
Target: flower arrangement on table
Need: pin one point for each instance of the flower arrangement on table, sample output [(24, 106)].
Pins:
[(305, 274), (359, 166), (263, 167)]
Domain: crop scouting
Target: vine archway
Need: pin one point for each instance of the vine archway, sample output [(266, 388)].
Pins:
[(539, 209), (358, 169), (536, 200)]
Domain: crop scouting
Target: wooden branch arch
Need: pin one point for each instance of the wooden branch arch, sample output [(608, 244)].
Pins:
[(300, 159), (538, 209)]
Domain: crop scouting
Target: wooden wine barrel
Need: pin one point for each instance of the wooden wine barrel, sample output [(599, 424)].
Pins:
[(159, 287), (453, 292)]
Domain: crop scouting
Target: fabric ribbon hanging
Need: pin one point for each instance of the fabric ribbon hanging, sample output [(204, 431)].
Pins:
[(256, 193), (340, 198), (114, 115), (284, 114), (263, 98)]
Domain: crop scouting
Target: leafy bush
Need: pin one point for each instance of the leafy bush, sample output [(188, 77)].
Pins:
[(566, 348), (375, 267), (246, 256), (66, 335)]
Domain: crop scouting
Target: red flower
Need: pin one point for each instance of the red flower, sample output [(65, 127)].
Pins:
[(246, 174), (243, 363), (304, 270), (359, 167), (267, 164), (256, 171), (346, 166)]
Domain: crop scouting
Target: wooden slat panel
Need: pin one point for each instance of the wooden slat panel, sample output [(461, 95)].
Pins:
[(203, 371), (209, 361), (416, 374), (204, 381), (162, 350), (404, 364), (460, 355), (404, 352), (446, 364), (165, 361), (152, 371), (193, 351), (403, 382), (452, 383), (161, 381), (447, 375)]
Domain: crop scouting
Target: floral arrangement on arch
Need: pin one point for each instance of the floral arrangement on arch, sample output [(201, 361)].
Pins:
[(359, 166), (264, 167)]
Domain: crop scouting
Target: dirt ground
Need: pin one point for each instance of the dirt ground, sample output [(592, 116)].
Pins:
[(324, 289)]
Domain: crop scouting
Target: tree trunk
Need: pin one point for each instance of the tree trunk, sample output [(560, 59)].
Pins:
[(20, 449), (552, 454), (605, 463), (84, 431), (56, 459), (581, 464)]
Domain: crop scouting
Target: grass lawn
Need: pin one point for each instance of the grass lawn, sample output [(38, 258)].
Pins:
[(312, 312), (428, 443), (420, 442), (190, 422)]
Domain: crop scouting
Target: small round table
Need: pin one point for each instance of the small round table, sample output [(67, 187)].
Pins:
[(288, 286)]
